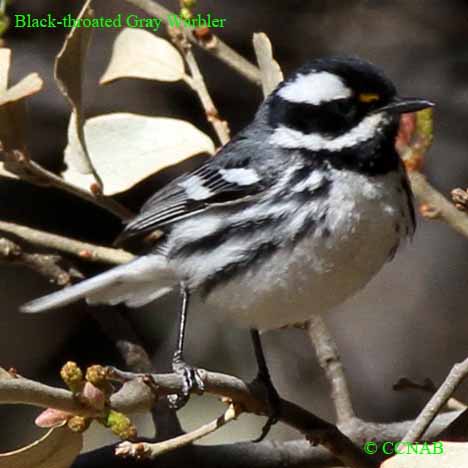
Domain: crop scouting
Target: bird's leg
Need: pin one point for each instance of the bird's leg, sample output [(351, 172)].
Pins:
[(190, 375), (264, 378)]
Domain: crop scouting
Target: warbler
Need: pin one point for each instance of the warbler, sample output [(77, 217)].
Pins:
[(294, 215)]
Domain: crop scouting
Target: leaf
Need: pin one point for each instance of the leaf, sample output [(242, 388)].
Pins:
[(57, 449), (140, 54), (5, 173), (5, 375), (69, 69), (127, 148), (12, 105), (269, 68), (29, 85), (5, 60), (453, 455)]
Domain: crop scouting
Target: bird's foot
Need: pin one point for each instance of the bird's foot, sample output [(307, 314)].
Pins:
[(191, 382), (273, 402)]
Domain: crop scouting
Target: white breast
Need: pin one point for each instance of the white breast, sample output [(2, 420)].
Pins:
[(366, 219)]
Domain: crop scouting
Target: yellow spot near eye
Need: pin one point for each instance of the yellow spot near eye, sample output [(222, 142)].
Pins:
[(368, 97)]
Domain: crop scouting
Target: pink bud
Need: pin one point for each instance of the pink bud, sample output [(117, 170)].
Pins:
[(92, 396), (51, 418)]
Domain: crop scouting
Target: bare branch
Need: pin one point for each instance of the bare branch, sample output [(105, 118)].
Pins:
[(437, 402), (413, 142), (197, 83), (211, 43), (30, 171), (329, 359), (47, 265), (83, 250), (151, 451), (439, 206), (427, 386), (266, 454), (135, 396)]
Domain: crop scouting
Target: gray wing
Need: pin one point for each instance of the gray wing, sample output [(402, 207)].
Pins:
[(212, 183)]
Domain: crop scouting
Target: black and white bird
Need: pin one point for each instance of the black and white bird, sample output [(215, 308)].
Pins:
[(293, 216)]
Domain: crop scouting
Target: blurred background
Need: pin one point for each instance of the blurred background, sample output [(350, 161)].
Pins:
[(410, 321)]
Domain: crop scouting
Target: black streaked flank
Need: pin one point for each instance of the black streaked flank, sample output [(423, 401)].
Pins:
[(253, 259)]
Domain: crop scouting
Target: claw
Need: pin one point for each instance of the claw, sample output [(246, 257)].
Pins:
[(191, 382)]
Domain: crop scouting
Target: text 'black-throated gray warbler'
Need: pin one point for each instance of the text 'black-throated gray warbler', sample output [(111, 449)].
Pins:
[(294, 215)]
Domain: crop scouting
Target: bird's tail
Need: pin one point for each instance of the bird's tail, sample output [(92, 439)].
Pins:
[(136, 283)]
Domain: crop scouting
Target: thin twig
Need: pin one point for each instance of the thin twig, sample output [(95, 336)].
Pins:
[(30, 171), (437, 402), (83, 250), (427, 386), (440, 207), (212, 44), (198, 84), (150, 451), (329, 359), (414, 140), (47, 265)]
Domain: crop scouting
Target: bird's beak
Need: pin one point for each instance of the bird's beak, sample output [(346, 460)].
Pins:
[(403, 105)]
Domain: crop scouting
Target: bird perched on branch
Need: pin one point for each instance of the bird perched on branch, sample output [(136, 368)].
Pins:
[(293, 216)]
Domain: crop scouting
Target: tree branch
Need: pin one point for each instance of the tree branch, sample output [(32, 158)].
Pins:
[(26, 169), (266, 454), (44, 264), (437, 402), (413, 142), (83, 250), (197, 83), (151, 451), (439, 206), (329, 359), (137, 396)]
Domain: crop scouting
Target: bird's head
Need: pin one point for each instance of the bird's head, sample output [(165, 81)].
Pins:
[(334, 105)]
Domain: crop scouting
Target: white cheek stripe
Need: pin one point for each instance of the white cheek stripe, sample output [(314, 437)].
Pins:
[(286, 137), (315, 88)]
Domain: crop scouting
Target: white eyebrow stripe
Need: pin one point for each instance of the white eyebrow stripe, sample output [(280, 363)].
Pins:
[(286, 137), (315, 88)]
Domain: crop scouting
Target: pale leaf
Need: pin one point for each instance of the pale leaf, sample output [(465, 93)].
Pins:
[(29, 85), (140, 54), (269, 68), (5, 60), (12, 106), (5, 173), (455, 455), (69, 71), (5, 375), (57, 449), (127, 148)]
